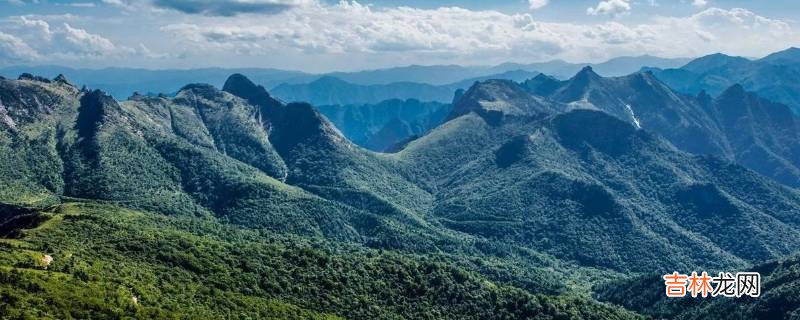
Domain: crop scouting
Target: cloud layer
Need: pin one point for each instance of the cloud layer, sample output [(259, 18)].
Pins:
[(610, 7), (32, 40), (351, 27), (298, 33)]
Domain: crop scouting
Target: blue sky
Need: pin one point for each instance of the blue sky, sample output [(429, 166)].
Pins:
[(321, 35)]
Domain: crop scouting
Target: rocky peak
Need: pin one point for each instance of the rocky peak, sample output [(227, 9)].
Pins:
[(499, 97), (30, 77), (542, 85), (242, 87), (202, 90), (62, 80), (586, 74), (579, 85)]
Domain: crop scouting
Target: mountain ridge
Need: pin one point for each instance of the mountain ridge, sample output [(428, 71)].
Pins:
[(522, 199), (696, 124)]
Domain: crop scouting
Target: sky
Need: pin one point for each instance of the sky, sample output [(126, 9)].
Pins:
[(347, 35)]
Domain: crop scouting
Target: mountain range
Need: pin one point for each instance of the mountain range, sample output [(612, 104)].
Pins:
[(123, 82), (333, 91), (542, 198), (774, 77), (737, 125)]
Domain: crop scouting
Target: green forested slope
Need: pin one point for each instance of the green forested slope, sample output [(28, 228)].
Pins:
[(588, 188), (780, 289), (228, 203), (109, 262)]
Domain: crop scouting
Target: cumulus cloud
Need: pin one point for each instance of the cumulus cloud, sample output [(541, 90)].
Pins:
[(81, 41), (699, 3), (64, 39), (537, 4), (25, 39), (14, 50), (352, 35), (610, 7), (127, 5), (352, 27), (230, 7), (445, 33), (81, 4)]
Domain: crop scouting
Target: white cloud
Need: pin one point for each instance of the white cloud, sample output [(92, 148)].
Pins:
[(350, 35), (14, 50), (81, 4), (35, 40), (129, 6), (537, 4), (699, 3), (444, 34), (352, 27), (610, 7), (18, 2), (81, 41)]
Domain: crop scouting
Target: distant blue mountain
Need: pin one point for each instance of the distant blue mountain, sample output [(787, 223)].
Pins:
[(791, 55), (737, 125), (381, 126), (775, 77), (619, 66), (122, 82), (329, 90)]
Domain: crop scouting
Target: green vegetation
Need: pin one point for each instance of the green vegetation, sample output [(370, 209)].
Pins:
[(207, 205), (109, 262), (780, 292)]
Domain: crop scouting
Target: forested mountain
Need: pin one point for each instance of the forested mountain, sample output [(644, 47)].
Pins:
[(210, 160), (239, 205), (509, 173), (736, 125), (774, 77), (778, 300)]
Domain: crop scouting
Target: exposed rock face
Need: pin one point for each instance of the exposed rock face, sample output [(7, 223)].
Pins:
[(6, 119), (46, 261)]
